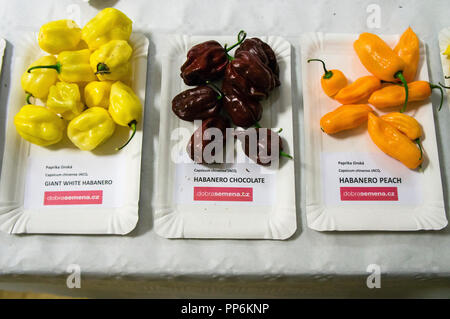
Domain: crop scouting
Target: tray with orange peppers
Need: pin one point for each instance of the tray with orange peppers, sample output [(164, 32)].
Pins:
[(370, 138)]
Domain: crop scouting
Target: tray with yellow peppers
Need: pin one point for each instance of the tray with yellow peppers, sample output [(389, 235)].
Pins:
[(81, 87), (392, 86), (444, 47)]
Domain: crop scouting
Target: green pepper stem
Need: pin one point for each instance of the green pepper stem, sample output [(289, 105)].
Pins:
[(56, 67), (241, 37), (28, 98), (256, 125), (447, 77), (434, 86), (328, 74), (399, 75), (132, 125), (102, 68), (285, 155), (215, 88), (280, 130), (445, 87), (417, 141)]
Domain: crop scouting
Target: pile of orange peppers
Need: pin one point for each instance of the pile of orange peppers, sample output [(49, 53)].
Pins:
[(392, 84)]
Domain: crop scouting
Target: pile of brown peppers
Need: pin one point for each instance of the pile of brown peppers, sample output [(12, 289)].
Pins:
[(248, 77)]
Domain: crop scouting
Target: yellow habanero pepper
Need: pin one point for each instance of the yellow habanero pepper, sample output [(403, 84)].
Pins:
[(57, 36), (394, 143), (72, 66), (408, 49), (359, 90), (332, 81), (345, 117), (64, 99), (96, 93), (39, 125), (394, 95), (125, 107), (406, 124), (112, 60), (38, 82), (380, 60), (109, 24), (91, 128)]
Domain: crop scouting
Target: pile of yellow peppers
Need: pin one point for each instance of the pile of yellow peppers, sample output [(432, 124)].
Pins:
[(81, 82), (391, 84)]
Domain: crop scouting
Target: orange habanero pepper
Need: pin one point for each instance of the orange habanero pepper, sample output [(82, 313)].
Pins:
[(408, 49), (380, 60), (394, 95), (406, 124), (332, 81), (345, 117), (394, 143), (359, 90)]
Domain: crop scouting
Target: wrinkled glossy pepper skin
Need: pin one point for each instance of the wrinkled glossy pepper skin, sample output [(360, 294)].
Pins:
[(91, 128), (377, 57), (408, 49), (404, 123), (39, 125), (243, 110), (112, 60), (205, 62), (332, 81), (109, 24), (65, 100), (125, 107), (39, 81), (345, 117), (250, 75), (264, 52), (197, 104), (394, 143), (202, 137), (394, 95), (57, 36), (96, 93), (261, 153), (359, 90)]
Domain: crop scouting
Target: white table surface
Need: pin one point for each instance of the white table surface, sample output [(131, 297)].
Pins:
[(310, 263)]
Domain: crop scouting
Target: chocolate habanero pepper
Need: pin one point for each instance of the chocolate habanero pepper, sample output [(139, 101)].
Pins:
[(203, 136), (243, 110), (72, 66), (345, 117), (359, 90), (207, 61), (380, 60), (125, 107), (262, 153), (332, 81), (264, 52), (394, 95), (197, 104), (393, 142), (408, 49)]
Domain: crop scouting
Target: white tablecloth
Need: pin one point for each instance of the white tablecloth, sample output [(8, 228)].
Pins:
[(310, 263)]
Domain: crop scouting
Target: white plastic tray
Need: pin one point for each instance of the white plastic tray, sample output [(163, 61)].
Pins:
[(444, 41), (174, 219), (421, 208), (2, 51), (22, 171)]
